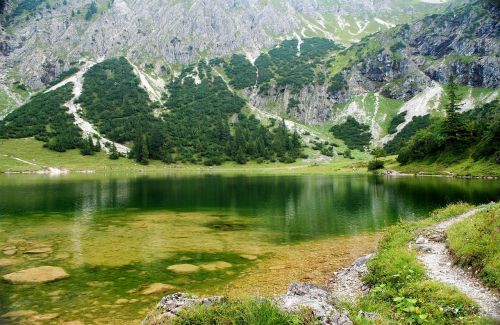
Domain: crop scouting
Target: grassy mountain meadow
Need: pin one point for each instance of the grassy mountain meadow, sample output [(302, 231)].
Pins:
[(309, 99)]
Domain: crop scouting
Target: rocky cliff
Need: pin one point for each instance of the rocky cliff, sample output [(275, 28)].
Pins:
[(158, 32)]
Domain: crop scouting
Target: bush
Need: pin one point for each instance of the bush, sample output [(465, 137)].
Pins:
[(375, 165)]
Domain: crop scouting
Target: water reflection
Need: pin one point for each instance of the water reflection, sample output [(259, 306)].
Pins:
[(298, 207)]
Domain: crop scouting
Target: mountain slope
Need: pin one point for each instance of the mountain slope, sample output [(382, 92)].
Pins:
[(159, 32)]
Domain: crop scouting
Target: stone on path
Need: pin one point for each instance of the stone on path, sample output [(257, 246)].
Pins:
[(42, 274)]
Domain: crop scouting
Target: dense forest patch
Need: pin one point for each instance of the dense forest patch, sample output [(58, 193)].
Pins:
[(458, 136), (46, 119), (354, 134), (417, 123), (113, 101)]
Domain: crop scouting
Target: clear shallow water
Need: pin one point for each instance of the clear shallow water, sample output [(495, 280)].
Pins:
[(116, 236)]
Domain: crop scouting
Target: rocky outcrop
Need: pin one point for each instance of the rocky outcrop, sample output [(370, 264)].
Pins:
[(347, 283), (171, 305), (314, 298)]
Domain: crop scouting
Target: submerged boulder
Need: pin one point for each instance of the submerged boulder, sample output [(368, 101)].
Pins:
[(183, 268), (42, 274), (157, 288)]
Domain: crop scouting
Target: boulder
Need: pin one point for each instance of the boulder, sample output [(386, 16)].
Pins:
[(42, 274), (315, 298), (171, 305)]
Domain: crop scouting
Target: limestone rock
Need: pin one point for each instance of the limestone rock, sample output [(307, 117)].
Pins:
[(42, 274), (315, 298)]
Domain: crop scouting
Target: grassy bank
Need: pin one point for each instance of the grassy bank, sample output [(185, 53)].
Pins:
[(400, 291), (475, 244), (230, 311), (466, 167), (17, 155)]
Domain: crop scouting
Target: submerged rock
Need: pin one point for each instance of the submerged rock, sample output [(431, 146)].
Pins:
[(42, 274), (19, 314), (315, 298), (39, 250), (183, 268), (44, 317), (157, 288), (249, 257), (9, 261), (214, 266)]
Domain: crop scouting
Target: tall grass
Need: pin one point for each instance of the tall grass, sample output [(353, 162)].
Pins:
[(475, 242)]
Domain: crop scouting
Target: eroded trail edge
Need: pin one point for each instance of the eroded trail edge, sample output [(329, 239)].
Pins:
[(438, 262)]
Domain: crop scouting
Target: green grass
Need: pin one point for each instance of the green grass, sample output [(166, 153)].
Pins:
[(466, 167), (33, 152), (252, 312), (401, 293), (475, 242)]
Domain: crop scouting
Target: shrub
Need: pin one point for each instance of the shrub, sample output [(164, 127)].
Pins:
[(375, 165)]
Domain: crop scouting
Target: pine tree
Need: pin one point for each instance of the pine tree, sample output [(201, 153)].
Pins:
[(87, 148), (113, 153), (454, 127)]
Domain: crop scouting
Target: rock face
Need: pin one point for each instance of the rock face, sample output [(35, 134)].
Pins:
[(169, 31), (315, 298), (42, 274)]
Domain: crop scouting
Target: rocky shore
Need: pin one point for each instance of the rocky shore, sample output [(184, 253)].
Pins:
[(320, 301)]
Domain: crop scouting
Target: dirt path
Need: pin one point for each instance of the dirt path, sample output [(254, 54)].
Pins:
[(438, 261)]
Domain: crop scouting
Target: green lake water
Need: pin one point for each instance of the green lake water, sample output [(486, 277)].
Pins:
[(115, 236)]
